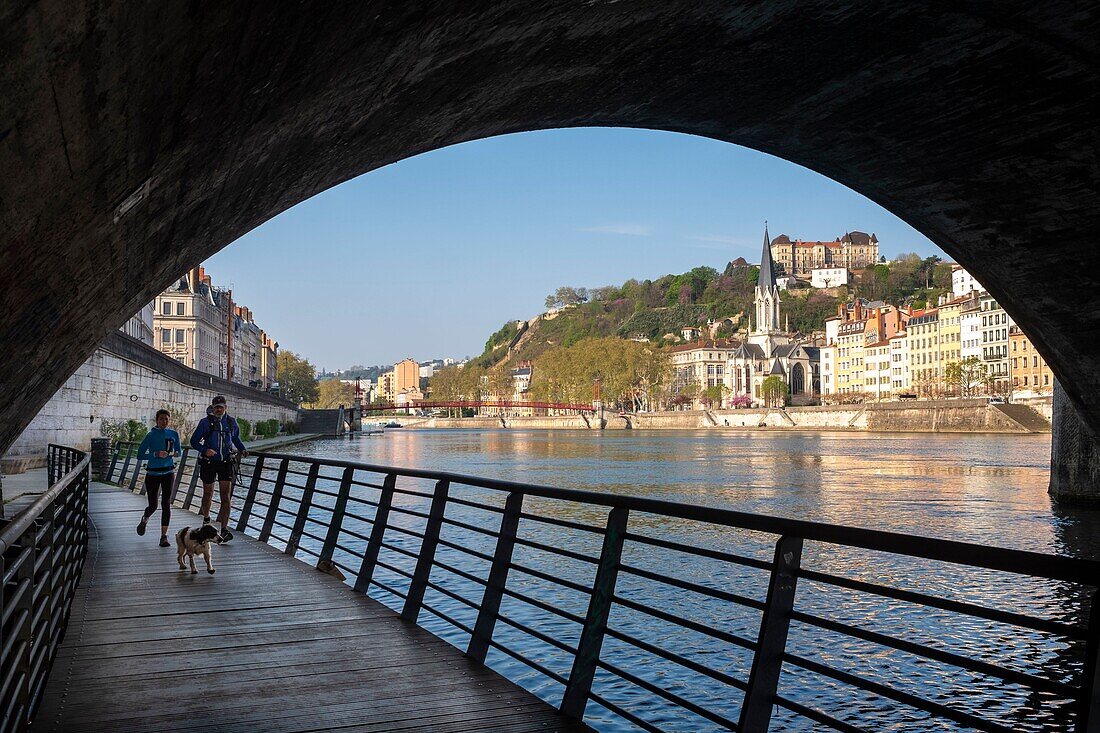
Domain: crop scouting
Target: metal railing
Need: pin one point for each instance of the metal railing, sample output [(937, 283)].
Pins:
[(42, 553), (803, 630)]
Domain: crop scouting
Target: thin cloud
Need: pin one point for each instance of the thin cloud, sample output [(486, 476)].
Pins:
[(734, 241), (630, 230)]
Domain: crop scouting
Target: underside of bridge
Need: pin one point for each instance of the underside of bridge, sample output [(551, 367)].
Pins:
[(138, 139)]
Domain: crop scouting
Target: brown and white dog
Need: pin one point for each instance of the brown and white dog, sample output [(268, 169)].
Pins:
[(191, 542)]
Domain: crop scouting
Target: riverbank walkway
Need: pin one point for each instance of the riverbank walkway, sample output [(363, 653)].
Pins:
[(267, 643)]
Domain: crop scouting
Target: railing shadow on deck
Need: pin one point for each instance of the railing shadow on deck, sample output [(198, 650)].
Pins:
[(42, 553), (770, 623)]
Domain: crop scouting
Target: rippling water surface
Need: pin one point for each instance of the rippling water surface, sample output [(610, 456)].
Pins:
[(973, 488)]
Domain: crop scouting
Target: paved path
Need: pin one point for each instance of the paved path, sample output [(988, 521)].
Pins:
[(266, 644)]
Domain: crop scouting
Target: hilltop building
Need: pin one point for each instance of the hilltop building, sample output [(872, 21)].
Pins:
[(853, 251)]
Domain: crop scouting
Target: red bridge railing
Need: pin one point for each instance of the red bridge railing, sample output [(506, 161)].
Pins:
[(477, 404)]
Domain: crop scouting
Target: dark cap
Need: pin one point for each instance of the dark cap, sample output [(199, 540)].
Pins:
[(218, 400)]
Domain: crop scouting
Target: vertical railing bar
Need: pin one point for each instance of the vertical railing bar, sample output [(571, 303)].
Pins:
[(303, 510), (337, 519), (179, 475), (276, 497), (583, 672), (190, 498), (125, 464), (775, 622), (498, 578), (134, 476), (426, 557), (1088, 716), (377, 532), (24, 631), (250, 497)]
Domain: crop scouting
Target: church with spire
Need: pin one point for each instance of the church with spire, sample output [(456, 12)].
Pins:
[(770, 350)]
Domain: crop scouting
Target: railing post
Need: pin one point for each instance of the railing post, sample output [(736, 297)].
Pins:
[(194, 482), (757, 707), (134, 476), (250, 498), (179, 475), (583, 672), (426, 556), (276, 497), (498, 577), (114, 462), (126, 463), (24, 631), (303, 510), (337, 519), (1088, 716), (377, 532)]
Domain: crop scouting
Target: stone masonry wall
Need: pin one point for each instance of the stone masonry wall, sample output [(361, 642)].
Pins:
[(133, 386)]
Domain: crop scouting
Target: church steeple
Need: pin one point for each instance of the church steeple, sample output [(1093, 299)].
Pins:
[(767, 267), (767, 292)]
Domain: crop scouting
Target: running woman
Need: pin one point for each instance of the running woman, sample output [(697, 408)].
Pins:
[(161, 447)]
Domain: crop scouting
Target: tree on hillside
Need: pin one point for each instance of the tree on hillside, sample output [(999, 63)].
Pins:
[(565, 295), (333, 393), (296, 376)]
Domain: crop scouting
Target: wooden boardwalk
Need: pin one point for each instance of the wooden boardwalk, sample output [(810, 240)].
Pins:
[(265, 644)]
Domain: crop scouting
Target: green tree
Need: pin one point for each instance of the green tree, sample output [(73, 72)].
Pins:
[(713, 395), (297, 377), (334, 393), (966, 375), (775, 391)]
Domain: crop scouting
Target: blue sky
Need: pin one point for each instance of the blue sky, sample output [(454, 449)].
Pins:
[(448, 245)]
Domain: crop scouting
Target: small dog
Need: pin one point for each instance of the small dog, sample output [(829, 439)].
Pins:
[(191, 542)]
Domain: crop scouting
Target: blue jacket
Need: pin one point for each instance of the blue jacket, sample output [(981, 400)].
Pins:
[(220, 435), (158, 440)]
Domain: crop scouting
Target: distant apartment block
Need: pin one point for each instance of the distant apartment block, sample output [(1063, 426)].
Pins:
[(198, 325)]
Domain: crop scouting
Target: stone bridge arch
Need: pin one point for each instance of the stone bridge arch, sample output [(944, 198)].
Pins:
[(137, 140)]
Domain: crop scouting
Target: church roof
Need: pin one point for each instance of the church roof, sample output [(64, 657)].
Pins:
[(777, 368), (767, 267), (785, 350), (749, 351)]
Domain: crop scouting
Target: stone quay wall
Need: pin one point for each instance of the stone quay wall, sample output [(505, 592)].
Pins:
[(924, 416), (127, 380)]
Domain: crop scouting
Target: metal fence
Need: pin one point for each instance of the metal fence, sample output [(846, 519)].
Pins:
[(42, 553), (746, 645)]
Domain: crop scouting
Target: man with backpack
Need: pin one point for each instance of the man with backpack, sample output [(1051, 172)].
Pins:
[(215, 438)]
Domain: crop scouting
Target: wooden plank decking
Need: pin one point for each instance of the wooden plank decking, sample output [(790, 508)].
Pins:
[(265, 644)]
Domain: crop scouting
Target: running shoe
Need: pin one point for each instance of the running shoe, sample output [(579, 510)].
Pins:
[(141, 528), (226, 535), (164, 542)]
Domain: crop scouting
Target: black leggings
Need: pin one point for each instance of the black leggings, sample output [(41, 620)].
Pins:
[(163, 485)]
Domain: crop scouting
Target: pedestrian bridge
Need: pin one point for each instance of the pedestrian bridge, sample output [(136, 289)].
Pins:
[(483, 605)]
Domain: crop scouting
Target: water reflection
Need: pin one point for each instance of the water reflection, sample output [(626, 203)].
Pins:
[(986, 489)]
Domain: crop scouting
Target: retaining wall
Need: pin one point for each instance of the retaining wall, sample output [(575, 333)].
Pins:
[(126, 380)]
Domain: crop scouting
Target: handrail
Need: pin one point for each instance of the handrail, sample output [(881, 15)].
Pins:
[(1055, 567), (18, 525), (424, 553), (42, 554)]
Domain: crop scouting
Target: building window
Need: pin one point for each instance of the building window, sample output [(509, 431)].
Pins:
[(1046, 379), (166, 308), (166, 336), (179, 335), (179, 309)]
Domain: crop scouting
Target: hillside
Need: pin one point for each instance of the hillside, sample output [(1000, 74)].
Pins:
[(657, 310)]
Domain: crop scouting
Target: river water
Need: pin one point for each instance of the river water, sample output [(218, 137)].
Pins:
[(987, 489)]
